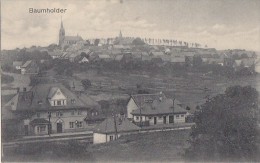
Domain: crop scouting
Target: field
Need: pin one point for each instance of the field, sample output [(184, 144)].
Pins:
[(158, 146), (191, 88)]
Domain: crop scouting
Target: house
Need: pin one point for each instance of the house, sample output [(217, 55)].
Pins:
[(17, 65), (166, 58), (159, 111), (52, 108), (119, 58), (84, 60), (55, 54), (157, 54), (178, 60), (30, 67), (138, 100), (105, 57), (112, 128)]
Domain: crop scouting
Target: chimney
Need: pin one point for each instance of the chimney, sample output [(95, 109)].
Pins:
[(24, 89)]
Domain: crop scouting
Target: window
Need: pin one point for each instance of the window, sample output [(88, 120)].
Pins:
[(59, 114), (79, 112), (71, 124), (73, 101), (72, 112), (41, 128), (79, 124), (59, 103), (92, 113), (38, 115), (111, 137), (182, 115), (177, 116), (137, 118), (96, 113)]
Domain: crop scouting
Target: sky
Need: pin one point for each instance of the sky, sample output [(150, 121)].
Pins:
[(220, 24)]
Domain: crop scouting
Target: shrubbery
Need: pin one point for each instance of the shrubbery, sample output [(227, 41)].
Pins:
[(6, 78)]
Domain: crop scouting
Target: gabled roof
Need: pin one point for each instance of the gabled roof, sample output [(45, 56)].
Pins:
[(104, 56), (37, 99), (158, 107), (17, 63), (157, 53), (177, 59), (140, 99), (52, 92), (119, 57), (39, 121), (26, 63), (123, 125), (55, 53)]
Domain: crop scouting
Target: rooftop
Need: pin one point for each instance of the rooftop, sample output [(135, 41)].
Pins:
[(123, 125)]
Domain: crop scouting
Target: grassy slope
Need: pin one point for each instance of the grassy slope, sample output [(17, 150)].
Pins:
[(158, 146)]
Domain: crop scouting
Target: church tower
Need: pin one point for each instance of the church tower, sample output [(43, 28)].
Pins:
[(61, 34), (120, 34)]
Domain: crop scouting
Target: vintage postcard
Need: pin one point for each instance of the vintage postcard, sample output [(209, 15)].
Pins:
[(130, 80)]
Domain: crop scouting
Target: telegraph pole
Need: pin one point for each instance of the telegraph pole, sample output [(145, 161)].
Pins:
[(49, 125), (114, 116), (173, 110), (116, 136)]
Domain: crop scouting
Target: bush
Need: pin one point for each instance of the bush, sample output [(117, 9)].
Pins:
[(6, 79), (86, 83)]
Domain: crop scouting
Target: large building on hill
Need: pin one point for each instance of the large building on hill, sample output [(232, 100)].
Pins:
[(50, 108), (67, 40)]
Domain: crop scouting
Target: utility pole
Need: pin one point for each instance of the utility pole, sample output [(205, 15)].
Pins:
[(173, 110), (49, 125), (116, 136), (141, 106), (114, 116)]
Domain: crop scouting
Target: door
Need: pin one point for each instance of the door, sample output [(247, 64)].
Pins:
[(164, 119), (155, 120), (59, 127), (171, 119), (26, 130)]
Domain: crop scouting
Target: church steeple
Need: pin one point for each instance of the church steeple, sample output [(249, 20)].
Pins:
[(120, 34), (61, 33), (61, 23)]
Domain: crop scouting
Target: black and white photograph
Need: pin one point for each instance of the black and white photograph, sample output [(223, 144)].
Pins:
[(130, 80)]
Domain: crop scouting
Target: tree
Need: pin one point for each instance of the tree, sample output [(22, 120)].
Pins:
[(96, 42), (137, 42), (86, 83), (226, 127)]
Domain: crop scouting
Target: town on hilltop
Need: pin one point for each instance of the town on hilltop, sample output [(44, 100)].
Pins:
[(98, 90)]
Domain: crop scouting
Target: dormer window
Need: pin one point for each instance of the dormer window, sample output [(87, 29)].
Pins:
[(73, 101), (58, 103), (148, 101)]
